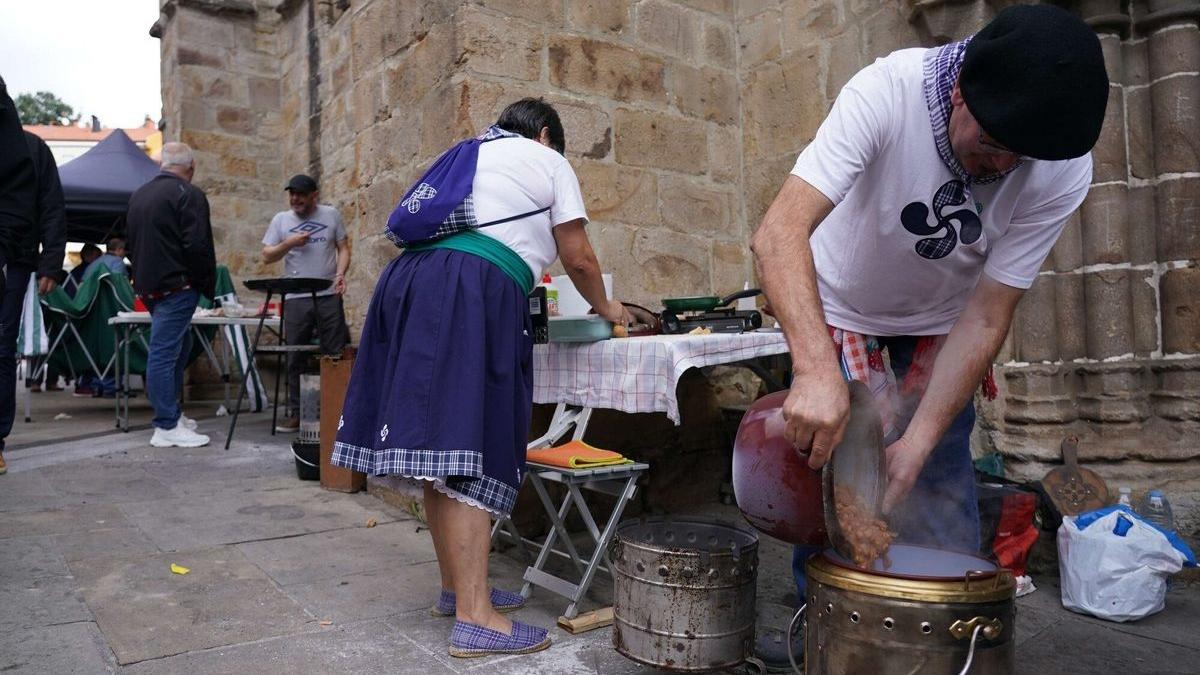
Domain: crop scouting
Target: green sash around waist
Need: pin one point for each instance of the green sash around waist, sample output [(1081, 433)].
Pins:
[(488, 248)]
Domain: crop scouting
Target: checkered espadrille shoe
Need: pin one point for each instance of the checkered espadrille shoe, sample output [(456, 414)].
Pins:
[(502, 601), (468, 640)]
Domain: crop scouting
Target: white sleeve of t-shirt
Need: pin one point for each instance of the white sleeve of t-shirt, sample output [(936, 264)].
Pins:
[(274, 235), (1017, 257), (852, 135), (568, 199)]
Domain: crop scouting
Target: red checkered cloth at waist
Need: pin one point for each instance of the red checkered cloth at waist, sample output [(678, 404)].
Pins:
[(861, 358)]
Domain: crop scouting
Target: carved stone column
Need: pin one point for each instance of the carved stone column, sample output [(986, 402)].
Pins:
[(1106, 344), (942, 21), (1173, 84)]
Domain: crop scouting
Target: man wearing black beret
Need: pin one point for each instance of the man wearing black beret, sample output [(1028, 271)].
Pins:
[(911, 226)]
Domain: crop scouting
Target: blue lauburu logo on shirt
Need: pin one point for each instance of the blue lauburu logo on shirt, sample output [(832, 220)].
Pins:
[(941, 237)]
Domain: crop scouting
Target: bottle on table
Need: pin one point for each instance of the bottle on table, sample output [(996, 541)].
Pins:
[(1126, 496), (551, 295)]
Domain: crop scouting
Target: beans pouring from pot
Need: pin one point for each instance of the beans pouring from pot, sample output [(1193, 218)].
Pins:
[(867, 535)]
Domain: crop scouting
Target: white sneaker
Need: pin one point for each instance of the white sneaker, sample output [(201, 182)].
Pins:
[(187, 422), (180, 436)]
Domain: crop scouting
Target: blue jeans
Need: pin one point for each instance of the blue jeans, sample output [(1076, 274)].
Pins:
[(11, 303), (941, 511), (170, 345)]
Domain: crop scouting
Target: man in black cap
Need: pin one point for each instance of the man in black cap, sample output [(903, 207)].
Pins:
[(311, 240), (911, 225)]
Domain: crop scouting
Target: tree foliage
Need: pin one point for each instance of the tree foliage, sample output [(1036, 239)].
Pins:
[(45, 108)]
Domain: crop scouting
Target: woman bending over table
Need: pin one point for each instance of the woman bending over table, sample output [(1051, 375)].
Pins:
[(442, 390)]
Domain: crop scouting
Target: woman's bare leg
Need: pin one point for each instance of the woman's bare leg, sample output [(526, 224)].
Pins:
[(432, 518), (465, 534)]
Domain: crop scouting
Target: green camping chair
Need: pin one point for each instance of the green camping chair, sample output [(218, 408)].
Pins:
[(73, 332)]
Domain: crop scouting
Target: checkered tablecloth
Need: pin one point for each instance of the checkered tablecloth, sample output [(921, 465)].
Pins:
[(637, 374)]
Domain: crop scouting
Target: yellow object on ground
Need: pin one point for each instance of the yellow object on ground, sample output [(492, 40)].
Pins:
[(179, 569), (576, 455)]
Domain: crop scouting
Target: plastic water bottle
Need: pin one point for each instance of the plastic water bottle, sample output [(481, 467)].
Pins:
[(1125, 498), (1156, 509)]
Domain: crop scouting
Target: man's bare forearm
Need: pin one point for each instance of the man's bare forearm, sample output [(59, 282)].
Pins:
[(963, 361), (784, 261), (818, 401), (343, 257), (275, 253)]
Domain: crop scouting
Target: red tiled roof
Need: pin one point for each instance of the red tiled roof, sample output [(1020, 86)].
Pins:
[(57, 133)]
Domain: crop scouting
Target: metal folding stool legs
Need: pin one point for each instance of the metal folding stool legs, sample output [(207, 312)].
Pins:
[(504, 526), (619, 481)]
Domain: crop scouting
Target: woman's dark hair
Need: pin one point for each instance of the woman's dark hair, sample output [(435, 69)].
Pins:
[(529, 116)]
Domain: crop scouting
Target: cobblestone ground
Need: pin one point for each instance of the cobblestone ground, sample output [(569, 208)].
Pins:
[(287, 578)]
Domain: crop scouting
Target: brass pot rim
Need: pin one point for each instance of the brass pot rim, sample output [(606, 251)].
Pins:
[(996, 586)]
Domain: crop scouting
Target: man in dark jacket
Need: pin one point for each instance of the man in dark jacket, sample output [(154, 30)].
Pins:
[(46, 227), (174, 263), (18, 183)]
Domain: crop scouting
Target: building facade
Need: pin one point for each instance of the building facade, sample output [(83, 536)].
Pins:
[(683, 118)]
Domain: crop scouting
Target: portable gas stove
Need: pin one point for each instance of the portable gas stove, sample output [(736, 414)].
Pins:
[(721, 320)]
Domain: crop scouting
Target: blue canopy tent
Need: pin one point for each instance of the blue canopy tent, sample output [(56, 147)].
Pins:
[(97, 186)]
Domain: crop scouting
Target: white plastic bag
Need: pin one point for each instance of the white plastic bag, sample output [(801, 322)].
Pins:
[(1115, 577)]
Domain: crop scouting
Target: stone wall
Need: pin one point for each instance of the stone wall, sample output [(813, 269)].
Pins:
[(222, 96), (794, 57), (1106, 345), (683, 118)]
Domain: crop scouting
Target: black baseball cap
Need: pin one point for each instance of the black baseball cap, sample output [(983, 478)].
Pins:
[(301, 183), (1035, 80)]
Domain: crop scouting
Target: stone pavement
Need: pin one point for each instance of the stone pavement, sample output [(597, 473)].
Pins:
[(288, 578)]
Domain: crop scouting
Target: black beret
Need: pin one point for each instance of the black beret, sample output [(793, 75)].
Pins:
[(1034, 78)]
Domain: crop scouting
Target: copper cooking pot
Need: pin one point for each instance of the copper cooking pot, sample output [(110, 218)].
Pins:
[(781, 496)]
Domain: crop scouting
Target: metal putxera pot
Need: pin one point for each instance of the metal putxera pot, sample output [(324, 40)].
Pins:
[(932, 612)]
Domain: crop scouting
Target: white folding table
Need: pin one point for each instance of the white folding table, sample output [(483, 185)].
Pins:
[(125, 325)]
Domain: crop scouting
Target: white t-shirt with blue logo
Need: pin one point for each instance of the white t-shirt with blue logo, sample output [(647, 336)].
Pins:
[(906, 242), (318, 258)]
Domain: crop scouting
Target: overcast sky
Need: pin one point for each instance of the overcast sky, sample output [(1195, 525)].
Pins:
[(97, 55)]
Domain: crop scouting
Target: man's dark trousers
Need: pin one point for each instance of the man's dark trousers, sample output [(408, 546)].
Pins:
[(13, 300), (301, 320)]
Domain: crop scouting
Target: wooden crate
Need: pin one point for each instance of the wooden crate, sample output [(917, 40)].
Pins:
[(335, 378)]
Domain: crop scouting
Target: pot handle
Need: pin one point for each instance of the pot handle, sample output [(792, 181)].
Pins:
[(792, 629), (971, 651), (971, 575), (747, 293), (1070, 452)]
